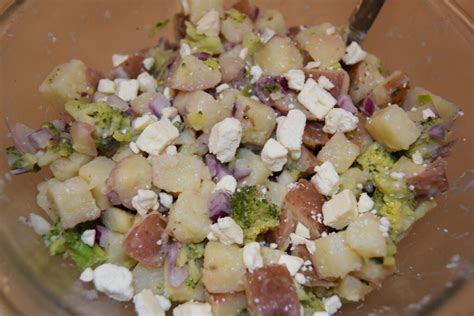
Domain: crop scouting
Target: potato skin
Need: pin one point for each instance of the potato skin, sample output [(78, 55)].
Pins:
[(339, 78), (313, 135)]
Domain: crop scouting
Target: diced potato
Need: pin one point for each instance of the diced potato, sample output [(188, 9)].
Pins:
[(365, 237), (73, 201), (306, 163), (270, 255), (407, 166), (257, 119), (123, 151), (140, 104), (188, 219), (200, 110), (112, 243), (276, 192), (353, 289), (82, 139), (231, 64), (96, 173), (312, 279), (42, 198), (328, 49), (179, 173), (259, 172), (333, 257), (278, 56), (227, 98), (224, 268), (339, 78), (365, 76), (374, 272), (191, 74), (290, 101), (65, 168), (393, 128), (128, 176), (145, 278), (229, 304), (393, 90), (234, 30), (69, 81), (271, 19), (340, 152), (117, 220), (418, 97), (198, 8), (352, 179)]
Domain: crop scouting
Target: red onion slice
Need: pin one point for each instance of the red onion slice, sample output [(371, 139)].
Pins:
[(241, 170), (345, 103), (113, 198), (266, 84), (42, 138), (117, 103), (157, 105), (19, 134), (176, 275), (219, 205), (202, 56), (437, 132), (368, 106), (60, 125)]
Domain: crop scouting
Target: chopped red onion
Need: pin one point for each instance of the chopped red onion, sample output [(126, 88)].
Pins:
[(113, 198), (157, 105), (228, 46), (60, 125), (217, 169), (241, 169), (19, 134), (42, 138), (443, 151), (219, 205), (117, 103), (202, 56), (368, 106), (345, 103), (437, 132), (101, 235), (176, 275), (266, 84), (237, 109)]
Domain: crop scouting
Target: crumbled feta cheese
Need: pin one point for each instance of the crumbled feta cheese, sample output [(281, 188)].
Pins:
[(330, 30), (317, 100), (302, 231), (169, 112), (39, 224), (354, 54), (225, 139), (332, 304), (300, 278), (157, 136), (114, 281), (209, 24), (117, 59), (320, 314), (141, 122), (397, 175), (134, 148), (252, 256), (88, 237), (222, 87), (87, 275), (127, 90), (266, 35), (228, 231), (365, 203), (193, 308), (295, 78), (312, 65), (273, 245), (177, 119), (184, 50), (325, 83), (171, 150), (148, 62), (417, 158), (339, 211), (167, 93), (324, 234), (211, 236), (146, 304), (290, 131), (146, 82), (326, 179), (227, 184), (339, 120), (297, 239), (292, 263), (411, 187), (310, 246), (166, 199), (256, 72), (106, 86), (164, 302), (274, 155), (144, 201), (428, 113), (384, 226), (243, 53)]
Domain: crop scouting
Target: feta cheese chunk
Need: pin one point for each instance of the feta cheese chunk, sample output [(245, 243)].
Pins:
[(127, 89), (225, 139), (274, 155), (169, 112), (171, 150), (243, 53), (365, 203), (114, 281), (227, 184), (39, 224), (326, 179), (325, 83), (295, 79), (417, 158), (339, 120), (330, 30), (209, 24), (292, 263), (134, 148), (148, 62), (166, 199), (317, 100), (222, 87), (339, 211), (157, 136), (256, 73), (332, 304), (266, 35), (106, 86), (302, 231), (290, 131), (87, 275), (228, 231), (193, 308), (146, 82), (184, 50), (354, 54), (117, 59), (88, 237), (144, 201), (252, 256), (164, 302), (300, 278), (141, 122), (427, 114), (320, 314), (312, 65), (146, 304)]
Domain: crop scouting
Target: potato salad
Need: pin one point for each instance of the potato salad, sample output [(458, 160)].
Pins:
[(246, 168)]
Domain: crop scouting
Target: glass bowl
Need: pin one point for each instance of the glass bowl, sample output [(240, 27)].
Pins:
[(431, 40)]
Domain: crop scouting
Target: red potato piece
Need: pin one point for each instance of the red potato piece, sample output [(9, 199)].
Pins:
[(93, 76), (271, 291), (141, 242), (361, 136), (302, 204), (245, 7), (306, 163), (314, 136), (311, 275), (339, 78), (228, 304), (129, 69), (432, 181), (393, 90), (82, 140), (289, 101), (231, 64)]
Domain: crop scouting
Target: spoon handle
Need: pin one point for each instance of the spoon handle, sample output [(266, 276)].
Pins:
[(362, 18)]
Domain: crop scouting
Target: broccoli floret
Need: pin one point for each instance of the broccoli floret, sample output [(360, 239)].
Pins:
[(310, 302), (21, 163), (400, 214), (60, 241), (201, 43), (425, 144), (253, 212), (252, 42), (376, 158), (352, 180), (163, 57), (395, 188), (189, 256)]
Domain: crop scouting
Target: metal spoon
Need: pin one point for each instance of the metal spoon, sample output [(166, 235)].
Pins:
[(362, 18)]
